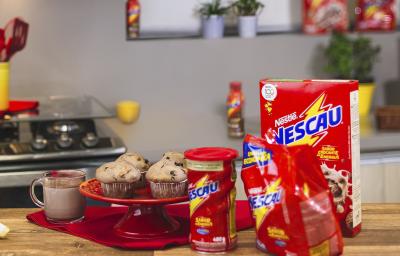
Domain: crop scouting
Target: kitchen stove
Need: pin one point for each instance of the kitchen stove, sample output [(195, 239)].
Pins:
[(47, 140), (67, 133), (8, 132)]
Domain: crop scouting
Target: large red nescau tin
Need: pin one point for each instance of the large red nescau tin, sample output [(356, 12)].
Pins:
[(212, 194), (323, 114)]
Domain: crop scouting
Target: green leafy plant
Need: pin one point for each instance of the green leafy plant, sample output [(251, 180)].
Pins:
[(247, 7), (339, 54), (213, 8), (351, 58), (364, 57)]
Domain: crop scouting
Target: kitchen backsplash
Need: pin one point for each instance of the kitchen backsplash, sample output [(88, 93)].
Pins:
[(79, 47)]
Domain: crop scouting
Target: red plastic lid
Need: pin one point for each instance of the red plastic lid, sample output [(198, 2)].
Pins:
[(236, 85), (211, 154)]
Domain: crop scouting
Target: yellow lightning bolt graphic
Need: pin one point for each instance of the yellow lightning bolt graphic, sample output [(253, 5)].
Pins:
[(371, 10), (231, 111), (234, 107), (314, 110), (195, 203), (261, 212), (315, 4)]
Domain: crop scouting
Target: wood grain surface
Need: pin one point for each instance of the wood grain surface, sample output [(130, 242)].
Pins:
[(380, 236)]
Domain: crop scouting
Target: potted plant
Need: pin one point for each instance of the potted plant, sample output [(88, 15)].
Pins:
[(353, 59), (213, 19), (247, 10)]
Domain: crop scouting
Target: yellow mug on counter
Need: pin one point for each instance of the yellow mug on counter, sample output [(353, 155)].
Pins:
[(128, 111), (4, 85)]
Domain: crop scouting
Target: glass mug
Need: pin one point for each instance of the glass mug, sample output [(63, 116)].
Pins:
[(63, 203)]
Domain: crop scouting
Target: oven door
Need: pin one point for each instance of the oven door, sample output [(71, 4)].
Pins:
[(15, 178)]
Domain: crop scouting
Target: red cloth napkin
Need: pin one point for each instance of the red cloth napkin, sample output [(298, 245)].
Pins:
[(99, 221)]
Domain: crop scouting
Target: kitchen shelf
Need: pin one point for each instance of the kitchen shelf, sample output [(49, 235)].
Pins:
[(231, 32)]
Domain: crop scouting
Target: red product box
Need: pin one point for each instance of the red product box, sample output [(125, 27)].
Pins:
[(376, 15), (324, 115), (321, 16)]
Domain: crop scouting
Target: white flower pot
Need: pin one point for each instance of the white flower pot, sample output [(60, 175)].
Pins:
[(213, 27), (247, 26)]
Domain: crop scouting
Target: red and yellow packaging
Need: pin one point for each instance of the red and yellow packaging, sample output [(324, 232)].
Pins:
[(132, 19), (376, 15), (289, 199), (321, 16), (212, 194), (324, 115), (234, 110)]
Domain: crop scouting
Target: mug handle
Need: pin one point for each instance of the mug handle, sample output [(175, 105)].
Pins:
[(32, 192)]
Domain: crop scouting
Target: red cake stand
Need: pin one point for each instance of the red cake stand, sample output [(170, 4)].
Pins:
[(146, 216)]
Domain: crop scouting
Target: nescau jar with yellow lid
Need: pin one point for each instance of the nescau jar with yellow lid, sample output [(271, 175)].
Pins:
[(212, 194)]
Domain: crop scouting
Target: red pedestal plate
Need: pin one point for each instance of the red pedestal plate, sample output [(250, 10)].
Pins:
[(146, 216)]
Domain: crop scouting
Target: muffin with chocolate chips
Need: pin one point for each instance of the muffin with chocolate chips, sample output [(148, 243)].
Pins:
[(118, 179), (173, 158), (170, 158), (168, 177), (139, 162)]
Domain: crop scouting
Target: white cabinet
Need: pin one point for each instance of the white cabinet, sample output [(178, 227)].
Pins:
[(372, 183), (391, 182), (380, 177)]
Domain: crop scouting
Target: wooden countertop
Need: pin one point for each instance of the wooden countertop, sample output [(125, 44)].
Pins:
[(380, 236)]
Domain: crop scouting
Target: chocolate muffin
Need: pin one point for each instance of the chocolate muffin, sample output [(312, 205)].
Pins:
[(139, 162), (173, 158), (168, 177), (118, 179)]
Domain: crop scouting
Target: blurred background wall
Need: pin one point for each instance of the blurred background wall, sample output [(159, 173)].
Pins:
[(78, 47)]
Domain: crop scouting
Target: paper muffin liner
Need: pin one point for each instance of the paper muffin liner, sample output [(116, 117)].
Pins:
[(118, 189), (168, 189)]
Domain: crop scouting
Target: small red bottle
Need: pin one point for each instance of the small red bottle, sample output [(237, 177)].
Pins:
[(133, 19), (234, 106)]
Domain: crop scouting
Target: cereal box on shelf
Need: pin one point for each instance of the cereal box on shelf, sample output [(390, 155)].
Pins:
[(376, 15), (321, 16)]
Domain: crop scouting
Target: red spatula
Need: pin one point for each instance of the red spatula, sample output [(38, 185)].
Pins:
[(2, 44), (15, 35), (18, 106)]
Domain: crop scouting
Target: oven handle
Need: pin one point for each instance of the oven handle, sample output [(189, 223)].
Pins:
[(18, 179), (24, 179), (55, 165), (21, 175)]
